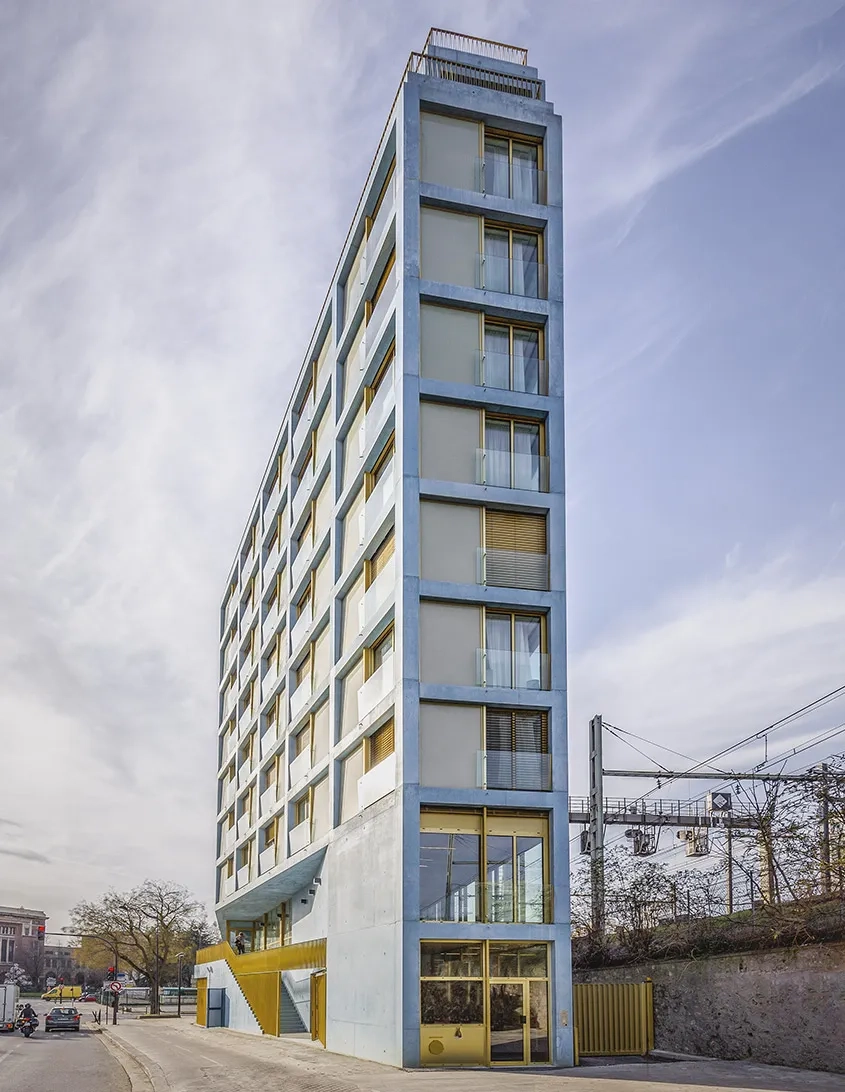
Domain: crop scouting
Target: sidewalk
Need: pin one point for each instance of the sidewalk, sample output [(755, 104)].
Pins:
[(180, 1057)]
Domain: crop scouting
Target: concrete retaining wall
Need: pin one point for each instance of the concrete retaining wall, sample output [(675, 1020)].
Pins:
[(784, 1007)]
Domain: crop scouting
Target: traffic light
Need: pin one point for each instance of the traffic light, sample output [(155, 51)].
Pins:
[(61, 982), (111, 974), (40, 932)]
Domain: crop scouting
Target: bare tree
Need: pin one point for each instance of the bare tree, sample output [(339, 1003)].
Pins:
[(144, 929)]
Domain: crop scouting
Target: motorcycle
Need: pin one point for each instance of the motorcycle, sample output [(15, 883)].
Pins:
[(27, 1025)]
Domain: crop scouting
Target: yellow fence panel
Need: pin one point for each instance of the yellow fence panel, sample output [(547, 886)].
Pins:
[(262, 992), (202, 1002), (614, 1018), (287, 957)]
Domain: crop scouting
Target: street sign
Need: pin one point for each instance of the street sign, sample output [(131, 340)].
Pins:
[(719, 801), (115, 987)]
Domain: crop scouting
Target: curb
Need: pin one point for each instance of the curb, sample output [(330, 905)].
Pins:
[(154, 1074)]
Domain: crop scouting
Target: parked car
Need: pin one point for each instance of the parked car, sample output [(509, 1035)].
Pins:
[(88, 997), (62, 1018)]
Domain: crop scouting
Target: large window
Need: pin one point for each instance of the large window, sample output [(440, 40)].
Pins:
[(513, 455), (512, 167), (513, 262), (451, 983), (516, 752), (514, 654), (380, 745), (515, 550), (484, 865), (512, 359)]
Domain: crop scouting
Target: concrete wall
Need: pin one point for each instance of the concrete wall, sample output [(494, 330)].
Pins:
[(364, 951), (782, 1007), (220, 976)]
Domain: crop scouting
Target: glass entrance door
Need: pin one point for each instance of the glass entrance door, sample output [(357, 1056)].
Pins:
[(507, 1022), (519, 1022)]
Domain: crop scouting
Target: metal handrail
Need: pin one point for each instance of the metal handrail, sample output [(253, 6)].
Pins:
[(425, 64), (482, 47)]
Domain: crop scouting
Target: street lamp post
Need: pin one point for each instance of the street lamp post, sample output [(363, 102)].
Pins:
[(179, 959)]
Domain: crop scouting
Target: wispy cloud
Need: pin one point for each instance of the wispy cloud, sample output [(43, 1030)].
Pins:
[(25, 855)]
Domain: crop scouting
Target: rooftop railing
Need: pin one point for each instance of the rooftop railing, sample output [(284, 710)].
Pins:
[(525, 86), (481, 47)]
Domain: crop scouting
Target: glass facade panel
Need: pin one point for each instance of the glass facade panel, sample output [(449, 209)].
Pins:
[(497, 166), (509, 960), (452, 1002), (526, 361), (445, 959), (525, 173), (449, 871)]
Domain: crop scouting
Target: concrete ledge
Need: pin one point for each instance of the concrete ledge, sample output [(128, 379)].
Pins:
[(158, 1016)]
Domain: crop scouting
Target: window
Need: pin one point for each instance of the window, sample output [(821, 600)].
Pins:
[(512, 359), (303, 672), (512, 262), (508, 848), (382, 472), (380, 745), (7, 930), (381, 558), (515, 550), (270, 834), (229, 867), (385, 286), (517, 749), (451, 983), (512, 167), (302, 740), (383, 381), (302, 810), (514, 651), (380, 652), (7, 951), (513, 456), (305, 539)]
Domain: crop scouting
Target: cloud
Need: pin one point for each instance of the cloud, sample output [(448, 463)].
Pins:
[(25, 855), (705, 667)]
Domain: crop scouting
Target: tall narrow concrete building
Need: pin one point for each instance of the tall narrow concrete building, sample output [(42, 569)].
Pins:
[(392, 819)]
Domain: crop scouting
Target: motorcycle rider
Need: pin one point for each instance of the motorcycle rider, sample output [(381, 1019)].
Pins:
[(27, 1012)]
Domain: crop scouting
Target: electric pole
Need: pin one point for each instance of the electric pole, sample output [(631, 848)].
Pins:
[(596, 806)]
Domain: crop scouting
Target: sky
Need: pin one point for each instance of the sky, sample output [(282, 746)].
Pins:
[(176, 182)]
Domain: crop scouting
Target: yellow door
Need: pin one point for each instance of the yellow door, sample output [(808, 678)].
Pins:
[(202, 1002), (318, 1006)]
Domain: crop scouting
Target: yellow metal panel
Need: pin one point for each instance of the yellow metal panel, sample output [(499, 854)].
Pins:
[(318, 1006), (262, 993), (614, 1018), (202, 1002), (453, 1044), (290, 957)]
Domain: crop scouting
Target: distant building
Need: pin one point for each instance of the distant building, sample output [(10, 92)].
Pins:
[(62, 961), (22, 940)]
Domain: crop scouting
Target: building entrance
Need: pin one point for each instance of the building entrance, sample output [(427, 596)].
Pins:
[(519, 1022)]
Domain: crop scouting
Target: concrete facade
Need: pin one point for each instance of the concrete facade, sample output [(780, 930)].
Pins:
[(784, 1007), (324, 662)]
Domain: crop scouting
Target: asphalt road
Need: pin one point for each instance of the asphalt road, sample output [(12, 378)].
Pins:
[(61, 1061)]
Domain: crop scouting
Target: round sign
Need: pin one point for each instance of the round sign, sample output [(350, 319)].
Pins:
[(115, 987)]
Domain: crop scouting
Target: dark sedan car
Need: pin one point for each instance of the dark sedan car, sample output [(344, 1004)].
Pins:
[(62, 1018)]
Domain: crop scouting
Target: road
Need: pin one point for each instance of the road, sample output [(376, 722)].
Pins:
[(183, 1058), (61, 1061)]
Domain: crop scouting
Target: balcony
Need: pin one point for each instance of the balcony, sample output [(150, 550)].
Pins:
[(227, 840), (513, 276), (246, 670), (268, 683), (267, 800), (227, 887), (354, 288), (245, 719), (271, 563), (244, 875), (377, 414), (379, 503), (299, 565), (377, 596), (300, 837), (229, 655), (303, 427), (273, 498), (300, 629), (501, 371), (227, 795), (244, 772), (384, 304), (268, 626), (230, 743), (379, 685), (512, 470), (526, 770), (500, 902), (379, 225), (248, 560), (300, 698), (377, 782), (517, 181), (270, 738), (300, 767), (513, 569), (231, 609), (513, 670), (303, 492), (267, 859), (244, 823)]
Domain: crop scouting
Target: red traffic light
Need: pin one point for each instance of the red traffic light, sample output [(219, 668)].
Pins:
[(41, 930)]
